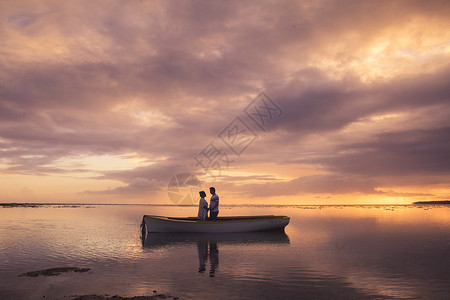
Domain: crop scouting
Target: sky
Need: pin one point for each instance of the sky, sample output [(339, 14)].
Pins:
[(271, 102)]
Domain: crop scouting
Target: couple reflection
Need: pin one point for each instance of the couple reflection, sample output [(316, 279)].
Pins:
[(202, 247), (207, 244)]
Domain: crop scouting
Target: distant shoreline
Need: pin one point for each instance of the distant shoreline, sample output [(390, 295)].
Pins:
[(14, 204), (40, 204), (93, 205), (445, 202)]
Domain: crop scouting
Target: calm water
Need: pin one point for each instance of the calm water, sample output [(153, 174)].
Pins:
[(343, 252)]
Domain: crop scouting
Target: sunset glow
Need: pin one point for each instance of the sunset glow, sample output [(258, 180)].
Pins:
[(105, 102)]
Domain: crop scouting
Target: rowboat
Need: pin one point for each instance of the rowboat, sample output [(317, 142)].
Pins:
[(151, 223)]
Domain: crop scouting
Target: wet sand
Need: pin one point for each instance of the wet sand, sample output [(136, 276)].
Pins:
[(60, 270), (55, 271)]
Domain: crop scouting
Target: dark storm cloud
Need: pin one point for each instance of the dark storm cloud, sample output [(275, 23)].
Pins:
[(138, 186), (331, 105), (146, 179), (314, 184), (160, 171), (418, 152)]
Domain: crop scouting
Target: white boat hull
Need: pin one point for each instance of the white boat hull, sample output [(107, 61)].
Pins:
[(222, 224)]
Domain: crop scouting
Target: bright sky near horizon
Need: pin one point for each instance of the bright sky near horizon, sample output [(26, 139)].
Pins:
[(112, 101)]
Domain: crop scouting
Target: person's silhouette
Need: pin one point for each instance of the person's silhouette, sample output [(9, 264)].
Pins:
[(213, 258), (202, 255)]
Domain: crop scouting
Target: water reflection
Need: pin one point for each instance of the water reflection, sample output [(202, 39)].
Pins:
[(154, 240), (331, 253), (208, 243), (202, 247), (202, 256)]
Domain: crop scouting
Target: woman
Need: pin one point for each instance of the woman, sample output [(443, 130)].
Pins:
[(202, 207)]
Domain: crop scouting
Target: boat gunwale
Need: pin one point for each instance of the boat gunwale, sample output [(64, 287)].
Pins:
[(237, 219)]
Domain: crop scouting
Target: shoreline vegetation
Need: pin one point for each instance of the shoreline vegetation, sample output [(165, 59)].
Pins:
[(441, 202)]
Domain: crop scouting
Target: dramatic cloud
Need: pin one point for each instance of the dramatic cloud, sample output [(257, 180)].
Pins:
[(111, 98)]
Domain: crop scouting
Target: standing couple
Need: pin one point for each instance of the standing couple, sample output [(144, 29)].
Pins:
[(213, 205)]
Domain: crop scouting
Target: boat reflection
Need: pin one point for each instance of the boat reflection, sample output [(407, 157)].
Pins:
[(208, 243), (166, 239)]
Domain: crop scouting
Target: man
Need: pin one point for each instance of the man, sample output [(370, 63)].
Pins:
[(213, 204)]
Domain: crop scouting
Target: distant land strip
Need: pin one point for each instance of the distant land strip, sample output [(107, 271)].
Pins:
[(433, 202), (39, 204)]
